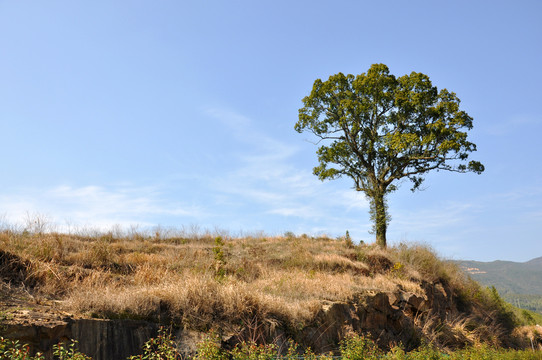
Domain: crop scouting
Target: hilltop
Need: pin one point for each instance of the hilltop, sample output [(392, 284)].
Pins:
[(312, 290)]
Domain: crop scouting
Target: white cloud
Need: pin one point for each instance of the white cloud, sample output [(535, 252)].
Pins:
[(267, 175), (94, 206)]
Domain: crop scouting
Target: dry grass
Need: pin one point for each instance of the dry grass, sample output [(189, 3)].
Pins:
[(146, 276), (201, 281)]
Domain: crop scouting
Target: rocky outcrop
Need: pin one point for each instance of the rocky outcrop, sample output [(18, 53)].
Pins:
[(390, 318), (373, 314)]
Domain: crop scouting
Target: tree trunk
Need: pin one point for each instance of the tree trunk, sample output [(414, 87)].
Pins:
[(380, 218)]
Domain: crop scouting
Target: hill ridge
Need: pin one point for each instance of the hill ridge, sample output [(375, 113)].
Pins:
[(520, 283)]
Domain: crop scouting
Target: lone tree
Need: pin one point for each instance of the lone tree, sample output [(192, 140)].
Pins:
[(378, 129)]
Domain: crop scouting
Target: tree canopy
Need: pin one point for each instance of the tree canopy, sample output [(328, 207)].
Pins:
[(377, 129)]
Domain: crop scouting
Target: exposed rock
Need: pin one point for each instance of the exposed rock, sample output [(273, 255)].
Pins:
[(367, 313), (100, 339)]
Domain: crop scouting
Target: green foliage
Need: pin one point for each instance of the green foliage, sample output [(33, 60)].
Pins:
[(295, 354), (218, 251), (377, 129), (70, 352), (528, 302), (253, 351), (289, 235), (162, 347), (484, 352), (528, 317), (505, 314), (13, 350), (355, 347), (348, 240), (398, 270), (424, 352), (209, 348)]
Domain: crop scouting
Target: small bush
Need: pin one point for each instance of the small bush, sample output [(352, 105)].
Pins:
[(162, 347), (13, 350), (69, 353), (253, 351), (218, 251), (348, 241), (209, 348), (355, 347)]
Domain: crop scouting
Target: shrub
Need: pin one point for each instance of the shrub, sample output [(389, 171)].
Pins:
[(13, 350), (218, 251), (209, 348), (69, 353), (162, 347), (253, 351), (355, 347), (348, 241)]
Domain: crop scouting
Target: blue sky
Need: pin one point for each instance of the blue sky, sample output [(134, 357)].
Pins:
[(181, 113)]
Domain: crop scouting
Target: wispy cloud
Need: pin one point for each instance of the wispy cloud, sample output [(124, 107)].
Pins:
[(95, 206), (264, 186), (269, 175)]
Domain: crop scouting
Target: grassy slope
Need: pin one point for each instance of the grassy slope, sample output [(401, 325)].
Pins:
[(200, 281)]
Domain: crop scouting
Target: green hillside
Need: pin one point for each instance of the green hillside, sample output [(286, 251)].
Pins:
[(518, 283)]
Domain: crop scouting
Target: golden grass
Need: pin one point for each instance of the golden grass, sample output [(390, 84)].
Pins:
[(143, 276), (201, 281)]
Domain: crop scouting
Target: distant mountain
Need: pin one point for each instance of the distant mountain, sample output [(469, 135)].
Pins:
[(519, 283), (507, 276)]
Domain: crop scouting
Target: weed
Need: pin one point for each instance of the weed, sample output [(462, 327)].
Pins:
[(348, 241), (356, 346), (13, 350), (253, 351), (218, 251), (162, 347), (69, 353)]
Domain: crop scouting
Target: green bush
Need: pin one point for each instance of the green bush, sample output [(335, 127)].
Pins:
[(13, 350), (253, 351), (162, 347), (209, 348), (68, 353), (355, 347)]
